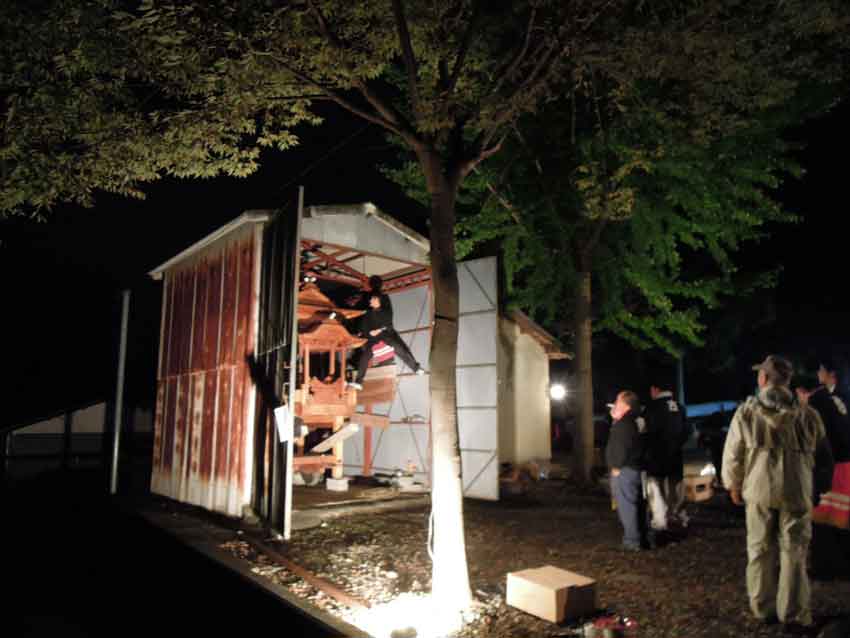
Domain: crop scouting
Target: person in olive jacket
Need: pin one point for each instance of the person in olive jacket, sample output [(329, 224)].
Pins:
[(624, 455)]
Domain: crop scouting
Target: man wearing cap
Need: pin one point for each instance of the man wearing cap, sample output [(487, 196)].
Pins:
[(767, 464), (624, 455)]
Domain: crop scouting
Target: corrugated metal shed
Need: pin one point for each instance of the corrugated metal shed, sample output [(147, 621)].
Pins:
[(205, 397)]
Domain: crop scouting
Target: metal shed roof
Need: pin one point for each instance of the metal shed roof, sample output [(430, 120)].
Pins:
[(362, 227)]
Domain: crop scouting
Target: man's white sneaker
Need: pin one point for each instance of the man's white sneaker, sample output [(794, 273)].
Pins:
[(355, 385), (420, 371)]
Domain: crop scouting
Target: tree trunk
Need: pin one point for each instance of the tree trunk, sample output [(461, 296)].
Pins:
[(450, 577), (584, 370)]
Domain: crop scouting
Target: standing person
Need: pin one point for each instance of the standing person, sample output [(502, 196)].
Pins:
[(768, 463), (666, 433), (624, 455), (377, 326), (831, 516), (828, 377)]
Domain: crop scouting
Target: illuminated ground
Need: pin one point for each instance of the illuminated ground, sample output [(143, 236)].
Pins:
[(693, 587)]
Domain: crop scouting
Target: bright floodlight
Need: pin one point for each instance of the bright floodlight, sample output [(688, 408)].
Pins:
[(558, 391)]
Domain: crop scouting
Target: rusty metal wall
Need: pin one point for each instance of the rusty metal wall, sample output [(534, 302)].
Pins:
[(205, 397)]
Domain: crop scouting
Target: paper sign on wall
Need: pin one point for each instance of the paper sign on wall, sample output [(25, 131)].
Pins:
[(284, 422)]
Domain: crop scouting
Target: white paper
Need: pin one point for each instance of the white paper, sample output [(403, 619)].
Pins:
[(284, 423)]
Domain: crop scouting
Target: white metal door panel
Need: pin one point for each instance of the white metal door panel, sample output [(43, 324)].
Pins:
[(398, 447), (411, 308), (477, 379), (478, 386), (476, 432), (352, 454), (479, 285)]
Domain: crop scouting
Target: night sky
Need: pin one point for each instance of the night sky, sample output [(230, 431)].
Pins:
[(62, 278)]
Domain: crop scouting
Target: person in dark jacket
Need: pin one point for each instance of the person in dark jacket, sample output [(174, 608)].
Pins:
[(377, 326), (828, 377), (666, 432), (624, 455), (830, 545)]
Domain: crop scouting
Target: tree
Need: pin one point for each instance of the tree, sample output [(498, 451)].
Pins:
[(642, 201), (99, 96)]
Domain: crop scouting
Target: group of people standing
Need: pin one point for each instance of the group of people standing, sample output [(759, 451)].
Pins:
[(644, 455), (786, 459)]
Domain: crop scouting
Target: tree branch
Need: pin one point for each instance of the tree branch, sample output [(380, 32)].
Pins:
[(508, 206), (468, 165), (407, 53), (464, 49), (514, 65), (390, 118), (538, 76)]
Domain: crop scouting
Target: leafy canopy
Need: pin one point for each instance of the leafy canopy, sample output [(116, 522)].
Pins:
[(103, 94)]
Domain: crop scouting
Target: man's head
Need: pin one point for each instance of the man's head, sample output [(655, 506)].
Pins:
[(806, 386), (656, 389), (827, 372), (662, 378), (375, 301), (774, 370), (376, 284), (626, 400)]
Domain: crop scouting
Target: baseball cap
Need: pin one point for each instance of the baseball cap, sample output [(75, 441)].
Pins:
[(778, 369)]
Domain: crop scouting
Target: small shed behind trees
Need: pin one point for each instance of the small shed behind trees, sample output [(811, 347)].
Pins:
[(229, 302)]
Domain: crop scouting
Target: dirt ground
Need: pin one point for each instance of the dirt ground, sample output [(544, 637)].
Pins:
[(691, 587)]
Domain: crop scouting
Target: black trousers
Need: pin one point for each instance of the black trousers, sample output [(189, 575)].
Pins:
[(390, 337)]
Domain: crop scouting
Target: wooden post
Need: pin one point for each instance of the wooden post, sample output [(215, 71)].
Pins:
[(337, 469), (367, 446)]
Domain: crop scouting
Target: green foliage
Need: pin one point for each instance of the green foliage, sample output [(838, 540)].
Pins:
[(104, 95), (665, 215)]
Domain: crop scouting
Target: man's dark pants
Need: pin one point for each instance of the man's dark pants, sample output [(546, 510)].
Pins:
[(390, 337), (631, 507)]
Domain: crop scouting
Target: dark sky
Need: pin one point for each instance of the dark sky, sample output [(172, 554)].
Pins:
[(62, 278)]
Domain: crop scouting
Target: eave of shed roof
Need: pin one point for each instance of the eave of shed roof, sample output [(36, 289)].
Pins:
[(248, 217), (534, 330)]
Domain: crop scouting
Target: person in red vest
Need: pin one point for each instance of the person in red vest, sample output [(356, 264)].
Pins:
[(381, 337)]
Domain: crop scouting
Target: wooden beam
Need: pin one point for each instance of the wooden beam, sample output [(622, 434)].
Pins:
[(337, 437), (319, 583), (371, 420)]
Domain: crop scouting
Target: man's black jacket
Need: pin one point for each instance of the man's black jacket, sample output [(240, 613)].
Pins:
[(666, 433), (625, 444), (836, 424)]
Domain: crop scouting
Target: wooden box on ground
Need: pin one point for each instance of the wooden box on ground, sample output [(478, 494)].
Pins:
[(698, 488), (551, 593)]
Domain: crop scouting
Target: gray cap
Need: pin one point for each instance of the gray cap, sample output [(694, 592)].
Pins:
[(778, 369)]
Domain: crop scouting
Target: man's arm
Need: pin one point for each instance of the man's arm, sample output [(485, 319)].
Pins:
[(733, 459), (615, 451), (824, 461)]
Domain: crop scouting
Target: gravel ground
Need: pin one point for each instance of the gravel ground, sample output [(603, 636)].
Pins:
[(691, 587)]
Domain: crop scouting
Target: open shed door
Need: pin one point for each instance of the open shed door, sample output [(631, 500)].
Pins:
[(477, 380)]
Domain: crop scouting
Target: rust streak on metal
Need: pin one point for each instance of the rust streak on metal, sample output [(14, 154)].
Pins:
[(319, 583)]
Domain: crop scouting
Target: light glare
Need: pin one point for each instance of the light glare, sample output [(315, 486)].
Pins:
[(558, 391), (406, 614)]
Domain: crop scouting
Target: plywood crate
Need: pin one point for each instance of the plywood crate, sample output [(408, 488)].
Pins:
[(551, 593)]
